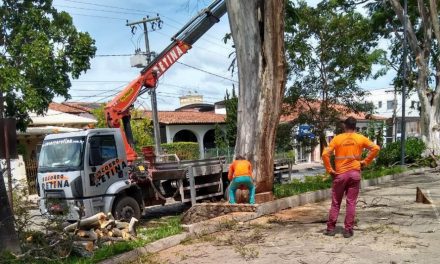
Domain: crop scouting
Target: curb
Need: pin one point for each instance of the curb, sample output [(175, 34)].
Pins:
[(216, 224)]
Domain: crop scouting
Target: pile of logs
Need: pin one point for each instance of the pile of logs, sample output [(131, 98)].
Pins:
[(101, 229)]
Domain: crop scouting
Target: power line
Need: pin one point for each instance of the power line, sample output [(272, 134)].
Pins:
[(96, 16), (100, 10), (136, 12), (195, 45), (207, 40), (108, 6), (207, 72)]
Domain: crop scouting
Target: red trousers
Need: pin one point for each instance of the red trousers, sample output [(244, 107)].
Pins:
[(348, 183)]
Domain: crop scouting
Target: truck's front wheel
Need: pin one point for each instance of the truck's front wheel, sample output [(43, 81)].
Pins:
[(125, 208)]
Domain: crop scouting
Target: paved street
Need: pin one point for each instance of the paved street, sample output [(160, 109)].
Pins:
[(391, 228)]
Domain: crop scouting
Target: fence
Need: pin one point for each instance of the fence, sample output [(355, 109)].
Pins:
[(228, 153), (31, 175)]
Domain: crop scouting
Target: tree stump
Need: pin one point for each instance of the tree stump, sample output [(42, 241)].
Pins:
[(421, 198)]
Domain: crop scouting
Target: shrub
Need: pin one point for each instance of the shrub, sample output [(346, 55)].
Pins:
[(390, 155), (184, 150)]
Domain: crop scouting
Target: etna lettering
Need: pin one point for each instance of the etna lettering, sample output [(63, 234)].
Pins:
[(55, 181), (106, 171)]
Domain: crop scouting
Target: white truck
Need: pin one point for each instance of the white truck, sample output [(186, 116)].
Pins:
[(98, 170), (89, 170)]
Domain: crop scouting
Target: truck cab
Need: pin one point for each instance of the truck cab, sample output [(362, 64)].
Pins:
[(85, 169)]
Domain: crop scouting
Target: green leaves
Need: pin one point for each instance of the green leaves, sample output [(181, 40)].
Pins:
[(231, 104), (42, 49), (141, 127), (331, 48)]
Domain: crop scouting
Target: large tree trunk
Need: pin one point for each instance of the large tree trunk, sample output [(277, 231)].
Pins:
[(422, 53), (430, 120), (257, 28)]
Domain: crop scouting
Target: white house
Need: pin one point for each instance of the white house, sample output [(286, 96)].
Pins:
[(384, 100)]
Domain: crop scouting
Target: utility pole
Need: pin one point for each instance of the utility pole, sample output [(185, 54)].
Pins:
[(402, 130), (152, 92)]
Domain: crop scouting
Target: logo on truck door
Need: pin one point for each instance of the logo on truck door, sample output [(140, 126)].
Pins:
[(112, 168)]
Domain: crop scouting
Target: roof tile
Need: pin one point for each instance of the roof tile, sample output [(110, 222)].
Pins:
[(187, 117)]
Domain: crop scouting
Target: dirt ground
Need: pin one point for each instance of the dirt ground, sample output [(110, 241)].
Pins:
[(391, 228)]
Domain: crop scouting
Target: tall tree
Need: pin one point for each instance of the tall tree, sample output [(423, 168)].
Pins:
[(257, 28), (329, 52), (423, 31), (39, 49)]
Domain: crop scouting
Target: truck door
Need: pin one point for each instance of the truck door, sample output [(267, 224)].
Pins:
[(103, 164)]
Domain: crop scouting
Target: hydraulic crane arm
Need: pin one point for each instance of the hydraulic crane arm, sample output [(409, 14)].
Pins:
[(119, 108)]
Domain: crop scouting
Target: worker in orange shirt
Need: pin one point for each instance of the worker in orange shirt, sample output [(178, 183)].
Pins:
[(240, 174), (346, 175)]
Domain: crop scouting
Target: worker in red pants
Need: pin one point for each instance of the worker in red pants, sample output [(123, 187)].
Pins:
[(240, 174), (346, 175)]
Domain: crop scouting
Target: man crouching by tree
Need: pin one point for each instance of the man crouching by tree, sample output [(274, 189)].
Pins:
[(240, 174), (347, 148)]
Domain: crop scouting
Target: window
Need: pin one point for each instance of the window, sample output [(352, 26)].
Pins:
[(390, 105), (102, 149), (61, 154), (379, 105)]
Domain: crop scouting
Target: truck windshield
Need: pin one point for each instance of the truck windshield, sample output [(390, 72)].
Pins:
[(64, 154)]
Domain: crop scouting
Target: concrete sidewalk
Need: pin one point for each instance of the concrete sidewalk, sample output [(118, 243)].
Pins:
[(391, 228)]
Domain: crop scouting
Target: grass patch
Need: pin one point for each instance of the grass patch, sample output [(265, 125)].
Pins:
[(168, 226), (319, 182), (310, 183), (381, 171)]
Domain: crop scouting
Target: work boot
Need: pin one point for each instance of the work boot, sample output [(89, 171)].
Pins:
[(347, 233), (330, 232)]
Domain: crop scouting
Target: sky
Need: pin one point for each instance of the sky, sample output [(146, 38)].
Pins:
[(110, 72)]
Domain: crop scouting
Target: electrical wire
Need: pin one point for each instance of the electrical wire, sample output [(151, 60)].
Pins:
[(207, 72), (108, 6), (99, 10), (134, 12), (97, 16)]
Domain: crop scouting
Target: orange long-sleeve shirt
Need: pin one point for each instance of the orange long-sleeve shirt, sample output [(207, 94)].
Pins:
[(348, 148), (239, 168)]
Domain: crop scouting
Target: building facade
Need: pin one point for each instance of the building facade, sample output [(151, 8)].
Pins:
[(388, 103)]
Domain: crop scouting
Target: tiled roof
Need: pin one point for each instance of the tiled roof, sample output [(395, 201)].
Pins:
[(66, 108), (292, 113), (186, 117), (74, 107)]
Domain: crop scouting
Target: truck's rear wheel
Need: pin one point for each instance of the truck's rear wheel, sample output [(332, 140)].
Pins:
[(125, 208)]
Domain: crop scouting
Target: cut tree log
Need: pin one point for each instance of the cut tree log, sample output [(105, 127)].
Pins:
[(110, 216), (121, 225), (105, 224), (126, 235), (90, 222), (116, 232), (87, 234), (421, 198), (132, 226), (112, 239), (99, 233)]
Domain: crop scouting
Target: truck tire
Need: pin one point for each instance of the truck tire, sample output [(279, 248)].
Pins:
[(125, 208)]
